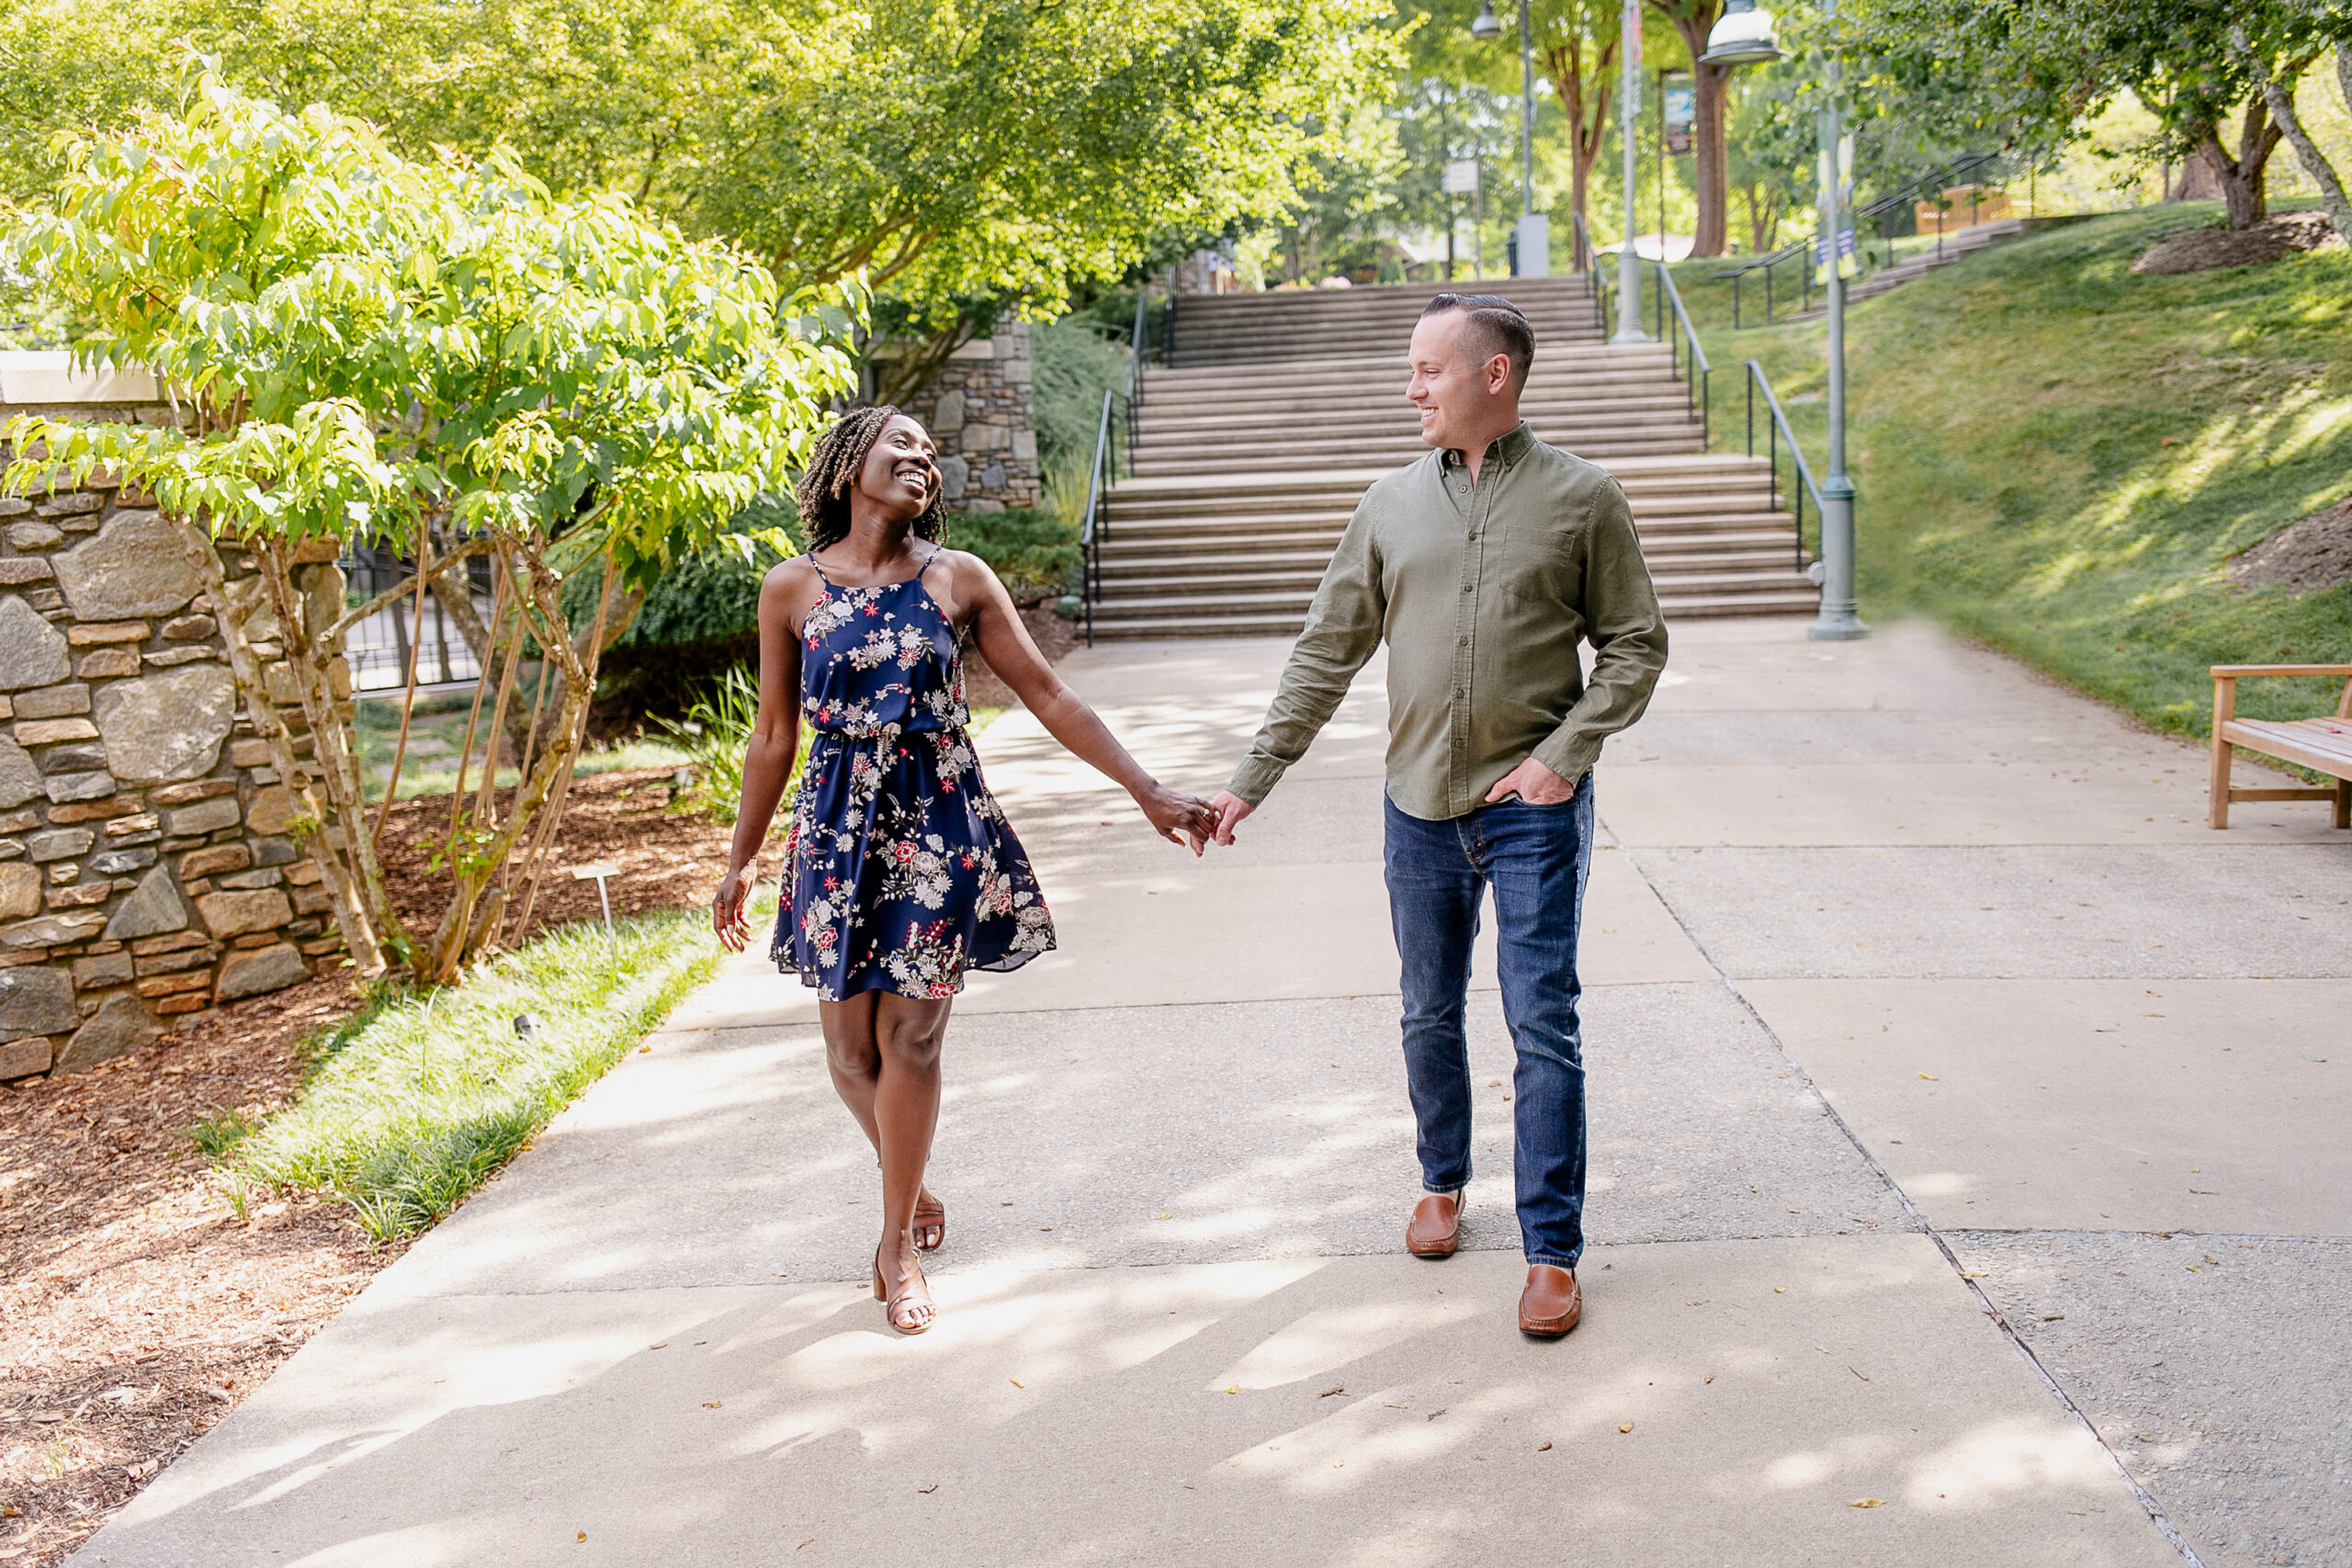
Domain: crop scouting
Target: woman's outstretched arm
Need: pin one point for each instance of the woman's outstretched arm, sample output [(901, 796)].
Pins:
[(775, 741), (1179, 817)]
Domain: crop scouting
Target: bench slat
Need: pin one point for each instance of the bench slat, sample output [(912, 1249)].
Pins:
[(2323, 745), (2254, 671)]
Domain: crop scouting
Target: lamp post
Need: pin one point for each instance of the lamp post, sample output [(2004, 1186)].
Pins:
[(1628, 112), (1534, 248), (1743, 36)]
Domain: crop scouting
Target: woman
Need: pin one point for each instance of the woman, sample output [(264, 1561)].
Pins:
[(900, 873)]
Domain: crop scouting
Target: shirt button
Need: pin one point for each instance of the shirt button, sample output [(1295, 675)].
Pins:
[(1461, 642)]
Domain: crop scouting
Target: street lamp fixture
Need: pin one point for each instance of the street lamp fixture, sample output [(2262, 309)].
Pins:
[(1744, 36), (1532, 252), (1741, 36)]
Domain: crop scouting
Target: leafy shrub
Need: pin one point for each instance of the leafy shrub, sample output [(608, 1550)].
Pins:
[(1034, 551), (1071, 366), (715, 735)]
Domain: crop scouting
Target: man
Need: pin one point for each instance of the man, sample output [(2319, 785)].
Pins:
[(1483, 566)]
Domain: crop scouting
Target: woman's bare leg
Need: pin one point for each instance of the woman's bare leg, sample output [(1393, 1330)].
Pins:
[(908, 1033), (854, 1058)]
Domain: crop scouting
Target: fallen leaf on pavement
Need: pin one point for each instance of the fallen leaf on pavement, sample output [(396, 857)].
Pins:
[(1625, 1425), (927, 1491), (1867, 1503), (710, 1405), (1545, 1444), (1932, 1078), (1016, 1382), (1335, 1388)]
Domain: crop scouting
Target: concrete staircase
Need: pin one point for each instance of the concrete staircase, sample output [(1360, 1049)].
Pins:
[(1280, 410), (1960, 243)]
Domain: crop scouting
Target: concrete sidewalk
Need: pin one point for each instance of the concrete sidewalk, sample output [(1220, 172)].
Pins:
[(1949, 1079)]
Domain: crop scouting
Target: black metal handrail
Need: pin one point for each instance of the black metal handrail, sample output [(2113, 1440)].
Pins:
[(1776, 430), (1097, 527), (1695, 385), (1908, 191)]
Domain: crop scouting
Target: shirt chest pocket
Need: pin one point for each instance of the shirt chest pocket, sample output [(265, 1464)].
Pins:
[(1537, 566)]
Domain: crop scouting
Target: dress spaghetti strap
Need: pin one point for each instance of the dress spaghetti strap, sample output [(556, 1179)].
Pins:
[(819, 568)]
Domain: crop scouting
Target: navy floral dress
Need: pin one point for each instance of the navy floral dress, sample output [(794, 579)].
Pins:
[(901, 873)]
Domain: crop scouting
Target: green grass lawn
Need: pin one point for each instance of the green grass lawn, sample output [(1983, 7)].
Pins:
[(417, 1099), (2060, 457)]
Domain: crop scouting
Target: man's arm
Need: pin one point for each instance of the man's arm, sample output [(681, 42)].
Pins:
[(1628, 637), (1343, 631)]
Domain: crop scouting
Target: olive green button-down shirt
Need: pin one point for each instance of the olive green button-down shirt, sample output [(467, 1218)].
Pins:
[(1483, 593)]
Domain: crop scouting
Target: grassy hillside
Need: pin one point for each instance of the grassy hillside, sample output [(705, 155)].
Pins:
[(2060, 457)]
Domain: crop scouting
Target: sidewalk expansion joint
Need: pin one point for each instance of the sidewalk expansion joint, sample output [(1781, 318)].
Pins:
[(2148, 1504)]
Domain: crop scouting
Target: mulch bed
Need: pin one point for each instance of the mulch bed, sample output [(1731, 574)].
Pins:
[(2309, 557), (2203, 250), (136, 1308)]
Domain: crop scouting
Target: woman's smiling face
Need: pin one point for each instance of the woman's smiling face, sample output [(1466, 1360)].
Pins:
[(902, 471)]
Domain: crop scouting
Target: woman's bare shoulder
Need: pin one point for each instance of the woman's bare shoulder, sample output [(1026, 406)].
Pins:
[(787, 576)]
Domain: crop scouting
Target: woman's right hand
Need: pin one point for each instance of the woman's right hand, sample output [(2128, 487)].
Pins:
[(1180, 818), (727, 917)]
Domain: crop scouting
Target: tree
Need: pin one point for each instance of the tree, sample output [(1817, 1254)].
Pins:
[(966, 159), (1710, 158), (2044, 64), (440, 353), (1576, 42)]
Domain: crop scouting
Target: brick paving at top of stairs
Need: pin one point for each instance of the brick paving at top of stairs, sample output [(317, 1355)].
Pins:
[(1280, 408)]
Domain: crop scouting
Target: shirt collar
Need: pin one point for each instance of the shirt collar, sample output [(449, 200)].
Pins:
[(1507, 447)]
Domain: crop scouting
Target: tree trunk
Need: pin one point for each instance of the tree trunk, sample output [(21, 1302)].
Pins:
[(456, 602), (1587, 106), (1710, 156), (2279, 96), (363, 937), (2241, 178)]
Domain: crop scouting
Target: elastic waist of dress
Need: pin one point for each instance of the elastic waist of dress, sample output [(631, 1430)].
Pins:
[(869, 736)]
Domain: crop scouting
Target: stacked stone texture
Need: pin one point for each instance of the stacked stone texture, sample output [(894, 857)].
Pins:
[(146, 869), (978, 409)]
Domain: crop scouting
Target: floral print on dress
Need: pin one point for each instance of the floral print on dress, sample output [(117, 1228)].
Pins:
[(900, 872)]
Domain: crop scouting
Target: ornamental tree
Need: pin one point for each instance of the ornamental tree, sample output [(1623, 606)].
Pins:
[(442, 355)]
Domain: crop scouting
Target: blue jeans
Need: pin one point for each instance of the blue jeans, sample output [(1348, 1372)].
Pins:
[(1536, 858)]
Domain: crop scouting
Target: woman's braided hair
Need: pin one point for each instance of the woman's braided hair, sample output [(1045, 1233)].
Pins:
[(833, 467)]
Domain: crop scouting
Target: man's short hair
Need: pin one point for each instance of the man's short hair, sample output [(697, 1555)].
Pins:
[(1495, 326)]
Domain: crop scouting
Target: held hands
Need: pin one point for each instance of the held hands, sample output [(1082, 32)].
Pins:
[(1180, 818), (727, 917), (1230, 808)]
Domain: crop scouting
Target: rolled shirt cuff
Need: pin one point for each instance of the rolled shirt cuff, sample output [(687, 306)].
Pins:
[(1254, 780), (1571, 757)]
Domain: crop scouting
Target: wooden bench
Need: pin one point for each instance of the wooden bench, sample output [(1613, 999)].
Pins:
[(2323, 745)]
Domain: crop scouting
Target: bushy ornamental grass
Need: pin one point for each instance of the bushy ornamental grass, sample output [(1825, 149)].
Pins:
[(424, 1093)]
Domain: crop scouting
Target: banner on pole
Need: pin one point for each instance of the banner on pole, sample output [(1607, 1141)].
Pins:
[(1462, 176), (1679, 101)]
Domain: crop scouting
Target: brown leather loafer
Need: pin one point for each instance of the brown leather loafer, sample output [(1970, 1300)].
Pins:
[(1435, 1229), (1551, 1303)]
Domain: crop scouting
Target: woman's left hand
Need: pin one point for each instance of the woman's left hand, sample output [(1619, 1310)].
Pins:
[(1180, 818)]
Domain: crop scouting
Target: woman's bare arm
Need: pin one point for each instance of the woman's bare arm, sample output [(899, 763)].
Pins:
[(1006, 644), (775, 743)]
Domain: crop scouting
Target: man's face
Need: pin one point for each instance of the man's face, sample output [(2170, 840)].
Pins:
[(1454, 393)]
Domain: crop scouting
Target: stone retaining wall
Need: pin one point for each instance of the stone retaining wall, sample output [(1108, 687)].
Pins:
[(146, 870), (978, 409)]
